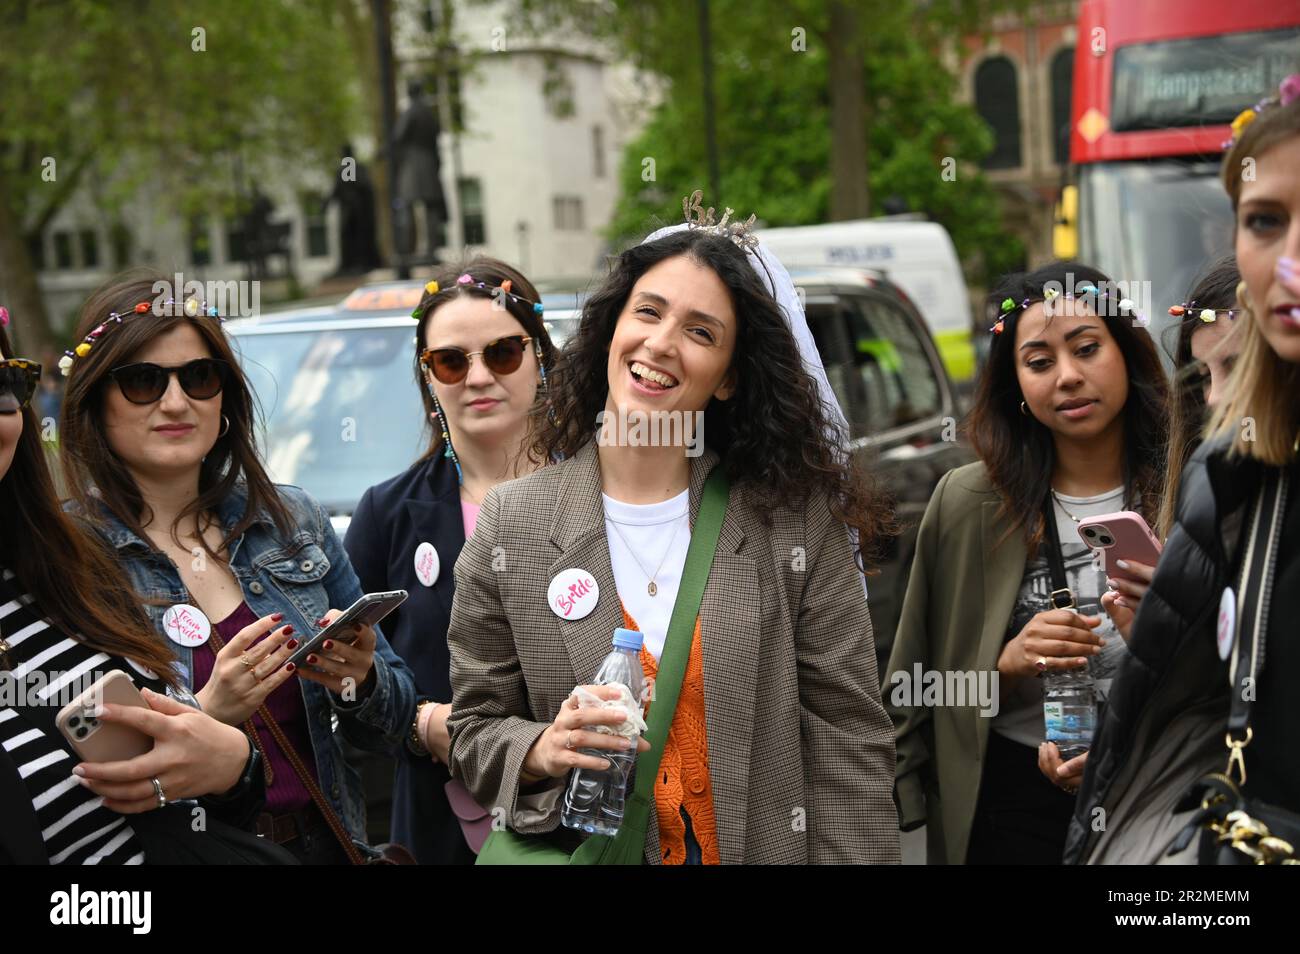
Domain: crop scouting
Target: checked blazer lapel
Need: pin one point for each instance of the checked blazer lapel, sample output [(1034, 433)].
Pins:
[(579, 531)]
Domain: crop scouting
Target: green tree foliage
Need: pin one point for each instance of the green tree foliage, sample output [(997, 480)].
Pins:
[(192, 96), (772, 122)]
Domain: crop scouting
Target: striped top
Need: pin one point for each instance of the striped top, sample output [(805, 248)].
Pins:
[(48, 669)]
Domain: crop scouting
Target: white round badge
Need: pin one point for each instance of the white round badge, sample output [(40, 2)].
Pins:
[(1227, 631), (427, 564), (186, 625), (573, 594)]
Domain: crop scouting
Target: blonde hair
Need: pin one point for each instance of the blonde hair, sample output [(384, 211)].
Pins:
[(1262, 404)]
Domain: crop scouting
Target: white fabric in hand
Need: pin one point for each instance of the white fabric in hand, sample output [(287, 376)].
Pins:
[(631, 727)]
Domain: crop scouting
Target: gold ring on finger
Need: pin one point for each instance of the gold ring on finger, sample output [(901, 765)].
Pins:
[(568, 740), (248, 663)]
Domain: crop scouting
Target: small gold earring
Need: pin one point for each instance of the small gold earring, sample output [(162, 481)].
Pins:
[(1023, 409)]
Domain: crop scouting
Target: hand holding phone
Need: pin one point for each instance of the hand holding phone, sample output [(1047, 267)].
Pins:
[(1121, 536), (96, 741), (367, 611)]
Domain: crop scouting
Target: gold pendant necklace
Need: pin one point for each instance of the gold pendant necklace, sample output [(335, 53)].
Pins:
[(651, 588)]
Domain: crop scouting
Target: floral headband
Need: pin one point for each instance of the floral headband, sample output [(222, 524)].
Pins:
[(1207, 315), (4, 317), (1083, 292), (505, 287), (192, 307), (1287, 92)]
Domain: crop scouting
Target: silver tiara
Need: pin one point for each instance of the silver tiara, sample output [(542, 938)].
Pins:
[(698, 217)]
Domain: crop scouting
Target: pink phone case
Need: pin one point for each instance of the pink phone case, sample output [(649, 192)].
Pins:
[(94, 741), (1121, 536)]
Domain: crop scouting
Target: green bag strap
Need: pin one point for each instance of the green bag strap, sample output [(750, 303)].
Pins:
[(681, 629)]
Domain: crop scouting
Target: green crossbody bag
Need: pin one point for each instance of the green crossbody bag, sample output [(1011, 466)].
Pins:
[(506, 847)]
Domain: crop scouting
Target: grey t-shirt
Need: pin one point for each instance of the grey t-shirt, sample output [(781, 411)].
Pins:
[(1020, 716)]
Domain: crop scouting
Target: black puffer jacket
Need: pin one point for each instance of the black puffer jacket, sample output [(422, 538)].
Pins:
[(1173, 665)]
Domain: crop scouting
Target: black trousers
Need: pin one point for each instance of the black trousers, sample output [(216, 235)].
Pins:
[(1021, 818)]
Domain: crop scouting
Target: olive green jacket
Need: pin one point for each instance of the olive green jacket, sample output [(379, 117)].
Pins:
[(960, 597)]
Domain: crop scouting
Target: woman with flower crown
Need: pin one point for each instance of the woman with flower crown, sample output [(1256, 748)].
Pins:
[(1068, 423), (1210, 718), (481, 358)]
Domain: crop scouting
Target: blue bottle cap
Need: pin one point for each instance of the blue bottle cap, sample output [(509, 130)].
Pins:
[(627, 639)]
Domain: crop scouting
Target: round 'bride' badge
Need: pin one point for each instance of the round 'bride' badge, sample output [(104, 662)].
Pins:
[(427, 564), (186, 625), (572, 594)]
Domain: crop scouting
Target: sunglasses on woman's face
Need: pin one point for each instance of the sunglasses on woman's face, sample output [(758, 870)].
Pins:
[(18, 378), (451, 365), (144, 383)]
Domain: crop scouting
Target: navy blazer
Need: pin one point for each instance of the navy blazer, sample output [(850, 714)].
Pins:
[(392, 519)]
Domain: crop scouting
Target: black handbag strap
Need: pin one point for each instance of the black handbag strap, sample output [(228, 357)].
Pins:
[(1062, 597), (1254, 594)]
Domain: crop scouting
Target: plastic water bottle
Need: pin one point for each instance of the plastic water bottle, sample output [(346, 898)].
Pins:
[(594, 800), (1070, 710)]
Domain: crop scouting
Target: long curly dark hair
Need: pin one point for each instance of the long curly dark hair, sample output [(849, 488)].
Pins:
[(1019, 451), (772, 435)]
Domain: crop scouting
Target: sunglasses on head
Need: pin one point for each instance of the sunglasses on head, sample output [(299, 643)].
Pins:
[(18, 378), (451, 365), (145, 383)]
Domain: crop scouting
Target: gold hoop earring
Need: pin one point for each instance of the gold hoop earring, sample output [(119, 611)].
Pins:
[(1023, 409), (226, 429)]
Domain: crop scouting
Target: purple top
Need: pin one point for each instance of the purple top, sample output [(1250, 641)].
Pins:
[(286, 793)]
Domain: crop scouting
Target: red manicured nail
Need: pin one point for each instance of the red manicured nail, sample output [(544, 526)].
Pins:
[(312, 660), (290, 668), (321, 622), (276, 617), (293, 644), (329, 644), (288, 630)]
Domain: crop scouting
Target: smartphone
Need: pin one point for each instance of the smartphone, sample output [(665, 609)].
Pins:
[(367, 611), (1121, 536), (95, 741)]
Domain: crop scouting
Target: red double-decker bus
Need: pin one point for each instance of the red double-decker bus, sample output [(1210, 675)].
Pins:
[(1156, 85)]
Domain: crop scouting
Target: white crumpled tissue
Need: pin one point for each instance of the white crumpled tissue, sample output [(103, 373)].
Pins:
[(631, 727)]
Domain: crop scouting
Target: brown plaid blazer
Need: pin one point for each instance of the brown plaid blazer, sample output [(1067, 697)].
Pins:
[(801, 751)]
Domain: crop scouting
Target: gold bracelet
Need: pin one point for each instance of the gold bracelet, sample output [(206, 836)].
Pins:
[(414, 742)]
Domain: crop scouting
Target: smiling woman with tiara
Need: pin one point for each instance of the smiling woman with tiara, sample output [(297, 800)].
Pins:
[(778, 748)]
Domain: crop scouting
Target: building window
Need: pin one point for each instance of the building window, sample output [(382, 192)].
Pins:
[(236, 243), (598, 151), (997, 100), (313, 217), (89, 242), (567, 211), (36, 251), (200, 241), (119, 238), (63, 250), (472, 221), (450, 82), (1062, 89)]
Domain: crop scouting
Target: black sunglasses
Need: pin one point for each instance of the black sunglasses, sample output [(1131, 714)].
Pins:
[(451, 365), (145, 383), (18, 378)]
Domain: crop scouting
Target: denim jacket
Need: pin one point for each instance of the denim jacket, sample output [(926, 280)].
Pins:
[(302, 577)]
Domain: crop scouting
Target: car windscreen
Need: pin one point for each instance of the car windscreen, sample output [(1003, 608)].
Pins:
[(342, 409)]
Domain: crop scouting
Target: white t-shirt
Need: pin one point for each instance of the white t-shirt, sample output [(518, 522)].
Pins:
[(1021, 715), (657, 532)]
